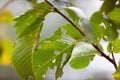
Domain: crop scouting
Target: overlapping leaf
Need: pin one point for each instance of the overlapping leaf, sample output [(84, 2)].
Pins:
[(72, 15), (102, 28), (28, 27), (82, 55), (52, 50), (115, 16), (114, 46)]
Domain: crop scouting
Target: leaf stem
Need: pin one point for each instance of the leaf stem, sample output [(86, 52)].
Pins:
[(56, 10), (95, 46), (5, 5)]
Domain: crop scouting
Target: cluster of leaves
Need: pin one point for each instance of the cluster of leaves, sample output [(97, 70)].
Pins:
[(112, 10), (33, 57)]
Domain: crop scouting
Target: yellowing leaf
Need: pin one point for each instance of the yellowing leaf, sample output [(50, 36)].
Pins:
[(6, 17), (7, 48)]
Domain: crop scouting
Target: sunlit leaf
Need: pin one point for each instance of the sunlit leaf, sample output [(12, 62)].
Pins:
[(101, 28), (82, 55), (115, 16), (28, 28), (52, 51), (31, 18), (114, 45), (97, 29), (6, 17)]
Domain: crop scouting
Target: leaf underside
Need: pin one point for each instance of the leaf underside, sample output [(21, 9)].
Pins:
[(28, 27), (82, 55)]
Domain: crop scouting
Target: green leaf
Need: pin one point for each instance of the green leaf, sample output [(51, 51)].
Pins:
[(101, 28), (82, 55), (52, 51), (31, 18), (72, 15), (110, 33), (115, 16), (109, 47), (108, 5), (114, 45), (79, 18), (28, 37), (97, 29), (116, 74)]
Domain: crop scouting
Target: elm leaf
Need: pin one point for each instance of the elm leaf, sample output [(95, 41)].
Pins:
[(28, 28), (52, 51)]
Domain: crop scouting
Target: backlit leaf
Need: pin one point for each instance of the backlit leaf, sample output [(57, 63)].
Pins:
[(31, 18), (97, 29), (28, 28), (114, 45), (52, 51), (115, 16)]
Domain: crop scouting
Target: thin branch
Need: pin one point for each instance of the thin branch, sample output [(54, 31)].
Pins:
[(114, 60), (95, 46), (5, 5), (113, 57), (56, 10), (104, 55)]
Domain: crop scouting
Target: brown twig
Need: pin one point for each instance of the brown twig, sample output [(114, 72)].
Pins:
[(114, 60), (56, 10), (104, 55), (113, 57), (95, 46), (5, 5)]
